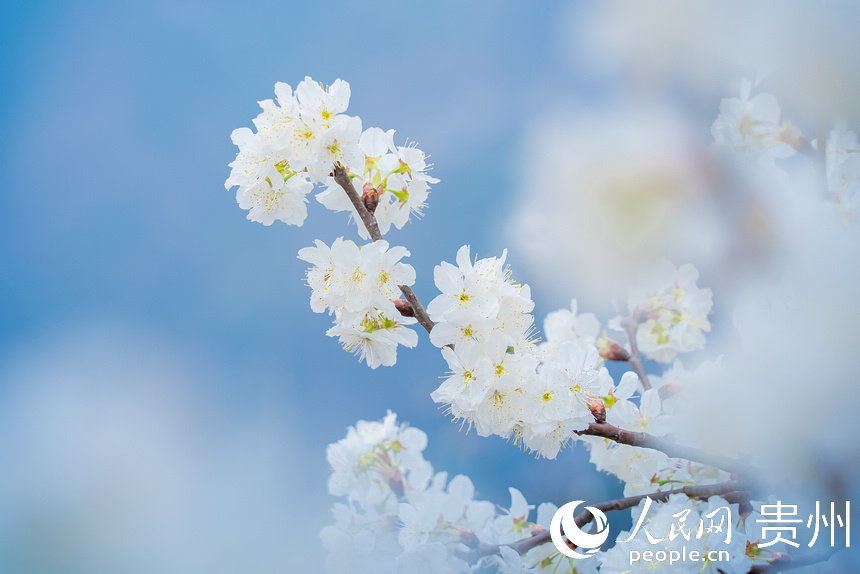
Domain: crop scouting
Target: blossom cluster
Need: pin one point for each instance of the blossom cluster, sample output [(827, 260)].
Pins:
[(502, 382), (300, 137), (750, 125), (298, 140), (672, 312), (359, 286), (400, 516), (393, 176), (484, 326)]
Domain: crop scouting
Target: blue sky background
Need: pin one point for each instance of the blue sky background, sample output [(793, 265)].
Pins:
[(166, 393), (131, 280)]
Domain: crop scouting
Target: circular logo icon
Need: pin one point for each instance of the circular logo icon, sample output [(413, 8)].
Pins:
[(563, 522)]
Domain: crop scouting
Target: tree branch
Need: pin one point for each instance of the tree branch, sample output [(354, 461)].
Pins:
[(342, 178), (420, 313), (584, 517), (672, 449)]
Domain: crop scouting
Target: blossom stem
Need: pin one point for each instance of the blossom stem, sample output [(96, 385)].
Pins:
[(672, 449), (341, 176)]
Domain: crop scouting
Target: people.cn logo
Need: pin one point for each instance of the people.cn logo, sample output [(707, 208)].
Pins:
[(563, 522)]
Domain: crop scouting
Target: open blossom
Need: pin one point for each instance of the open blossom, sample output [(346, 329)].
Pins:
[(299, 138), (268, 188), (357, 284), (397, 174), (750, 124), (373, 336), (319, 133), (553, 410), (356, 278), (276, 122), (482, 291), (363, 447), (320, 105), (277, 197), (674, 312)]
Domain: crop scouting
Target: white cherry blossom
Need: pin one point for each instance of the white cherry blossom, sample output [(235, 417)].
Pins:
[(673, 309), (750, 124)]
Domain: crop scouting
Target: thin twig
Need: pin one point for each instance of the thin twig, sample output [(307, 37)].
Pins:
[(420, 312), (630, 325), (672, 449), (342, 178)]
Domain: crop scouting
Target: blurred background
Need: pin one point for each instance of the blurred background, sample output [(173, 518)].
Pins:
[(166, 393)]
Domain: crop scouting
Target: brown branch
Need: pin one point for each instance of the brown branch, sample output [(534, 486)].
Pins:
[(584, 517), (672, 449), (420, 312), (342, 178)]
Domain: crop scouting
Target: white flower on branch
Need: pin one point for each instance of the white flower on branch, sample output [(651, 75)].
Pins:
[(298, 139), (373, 336), (497, 382), (356, 278), (268, 187), (397, 175), (358, 284), (672, 310), (403, 518), (400, 516)]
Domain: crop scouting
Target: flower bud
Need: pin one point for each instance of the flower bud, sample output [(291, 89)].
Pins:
[(370, 197), (669, 390), (789, 134), (404, 307), (647, 310), (611, 350), (595, 405), (389, 523), (394, 478), (467, 537), (538, 529)]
